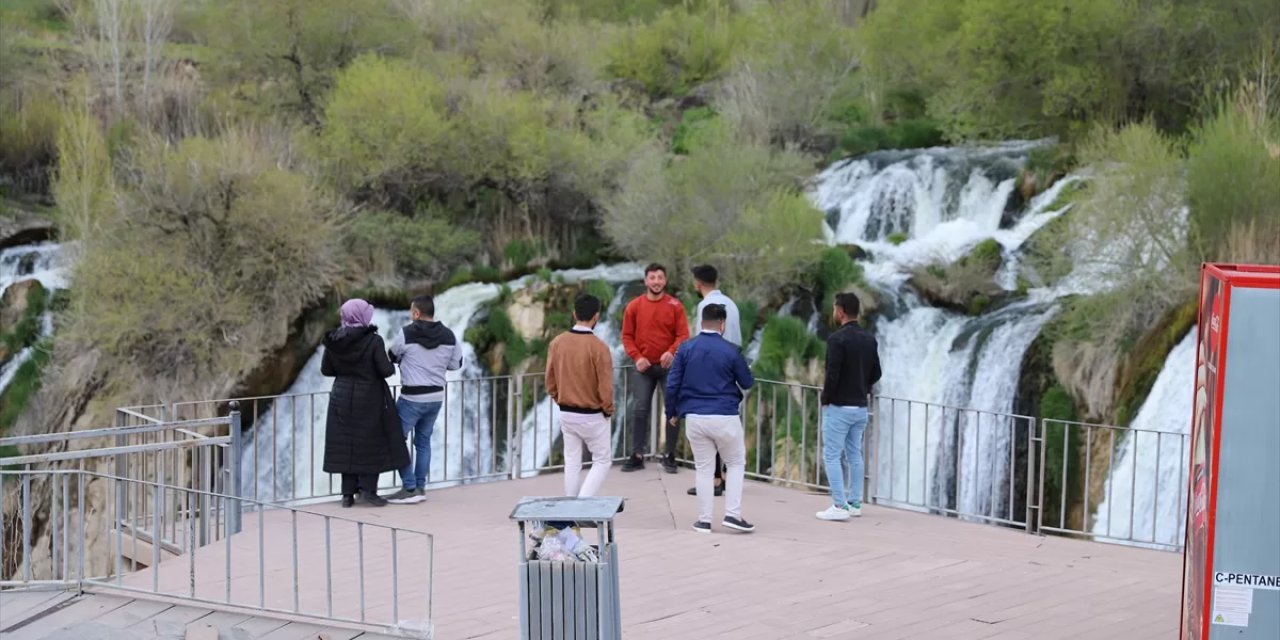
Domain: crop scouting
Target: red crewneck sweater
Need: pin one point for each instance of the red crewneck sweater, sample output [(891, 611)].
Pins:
[(651, 328)]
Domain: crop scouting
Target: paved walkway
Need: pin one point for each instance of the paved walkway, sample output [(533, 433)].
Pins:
[(889, 574)]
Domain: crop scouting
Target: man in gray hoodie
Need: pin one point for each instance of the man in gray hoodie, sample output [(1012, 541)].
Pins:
[(425, 350)]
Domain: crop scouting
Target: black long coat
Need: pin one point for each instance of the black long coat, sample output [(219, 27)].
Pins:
[(362, 430)]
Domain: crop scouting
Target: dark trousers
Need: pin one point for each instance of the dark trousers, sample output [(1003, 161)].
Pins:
[(353, 483), (642, 387)]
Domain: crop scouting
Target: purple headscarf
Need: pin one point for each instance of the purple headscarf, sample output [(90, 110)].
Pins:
[(356, 313)]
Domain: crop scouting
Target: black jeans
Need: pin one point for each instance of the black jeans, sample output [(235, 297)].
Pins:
[(642, 387), (353, 483)]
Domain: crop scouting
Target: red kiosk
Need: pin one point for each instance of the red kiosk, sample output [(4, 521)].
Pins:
[(1231, 563)]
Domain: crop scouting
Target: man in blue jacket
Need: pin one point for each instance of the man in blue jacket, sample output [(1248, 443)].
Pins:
[(704, 387)]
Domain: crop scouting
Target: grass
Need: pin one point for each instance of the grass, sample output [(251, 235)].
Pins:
[(786, 338), (26, 382), (27, 331), (1140, 369)]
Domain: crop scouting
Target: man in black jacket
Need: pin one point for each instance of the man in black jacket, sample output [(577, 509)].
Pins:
[(853, 365)]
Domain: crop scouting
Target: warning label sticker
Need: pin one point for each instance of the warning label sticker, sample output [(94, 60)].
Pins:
[(1231, 619)]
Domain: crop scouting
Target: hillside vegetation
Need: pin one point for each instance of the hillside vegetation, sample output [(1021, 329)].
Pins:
[(226, 164)]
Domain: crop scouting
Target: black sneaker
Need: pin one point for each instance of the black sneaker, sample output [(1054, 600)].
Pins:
[(669, 464), (738, 524), (702, 527), (347, 501), (634, 463), (693, 491), (374, 500)]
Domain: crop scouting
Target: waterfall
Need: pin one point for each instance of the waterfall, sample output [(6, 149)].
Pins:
[(1145, 494), (286, 447), (541, 427), (45, 263), (910, 209), (291, 431)]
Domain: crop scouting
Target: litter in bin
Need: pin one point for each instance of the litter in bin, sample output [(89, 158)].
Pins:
[(560, 545)]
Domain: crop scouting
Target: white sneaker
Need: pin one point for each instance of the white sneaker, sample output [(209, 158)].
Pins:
[(833, 513), (855, 510)]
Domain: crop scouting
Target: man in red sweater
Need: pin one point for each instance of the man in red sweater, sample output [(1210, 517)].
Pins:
[(653, 326)]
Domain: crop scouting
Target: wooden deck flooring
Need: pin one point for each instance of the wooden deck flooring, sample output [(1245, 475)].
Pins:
[(889, 574)]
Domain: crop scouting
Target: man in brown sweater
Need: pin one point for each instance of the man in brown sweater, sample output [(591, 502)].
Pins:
[(580, 381)]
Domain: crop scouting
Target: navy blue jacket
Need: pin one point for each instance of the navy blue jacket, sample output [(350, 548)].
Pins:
[(707, 378)]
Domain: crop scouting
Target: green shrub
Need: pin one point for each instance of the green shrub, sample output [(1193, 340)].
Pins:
[(897, 237), (232, 235), (26, 382), (1232, 179), (978, 304), (557, 321), (986, 253), (27, 331), (387, 243), (1059, 439), (786, 338), (521, 252), (748, 317), (602, 290), (486, 273), (677, 51), (903, 134), (691, 122), (833, 273), (29, 125)]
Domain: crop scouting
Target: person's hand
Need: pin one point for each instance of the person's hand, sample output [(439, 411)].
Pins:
[(674, 421), (666, 359), (643, 365)]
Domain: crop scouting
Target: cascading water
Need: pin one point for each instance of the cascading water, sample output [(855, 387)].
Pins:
[(918, 208), (45, 263), (541, 427), (1145, 494), (291, 453)]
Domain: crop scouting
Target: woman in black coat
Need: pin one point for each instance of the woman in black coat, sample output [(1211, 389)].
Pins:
[(363, 437)]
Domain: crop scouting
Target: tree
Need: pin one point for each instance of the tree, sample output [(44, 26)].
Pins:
[(214, 245), (156, 20), (729, 202), (781, 88), (83, 186), (298, 46), (1233, 178)]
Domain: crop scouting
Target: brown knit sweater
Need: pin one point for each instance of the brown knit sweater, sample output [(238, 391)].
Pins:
[(580, 373)]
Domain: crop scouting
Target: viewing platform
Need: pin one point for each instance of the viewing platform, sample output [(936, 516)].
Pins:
[(890, 574)]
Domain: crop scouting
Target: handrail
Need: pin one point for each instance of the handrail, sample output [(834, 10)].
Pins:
[(105, 432), (81, 454), (188, 525), (937, 457)]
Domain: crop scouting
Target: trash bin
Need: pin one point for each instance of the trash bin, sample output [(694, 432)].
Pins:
[(569, 599)]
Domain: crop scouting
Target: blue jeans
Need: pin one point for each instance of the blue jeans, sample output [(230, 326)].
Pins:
[(842, 429), (418, 419)]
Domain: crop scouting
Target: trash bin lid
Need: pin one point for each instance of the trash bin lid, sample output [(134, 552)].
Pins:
[(595, 509)]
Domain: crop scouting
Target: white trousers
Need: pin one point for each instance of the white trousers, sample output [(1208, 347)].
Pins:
[(707, 435), (592, 430)]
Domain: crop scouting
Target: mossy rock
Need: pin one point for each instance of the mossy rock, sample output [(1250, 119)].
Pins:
[(969, 285), (20, 310), (1143, 364)]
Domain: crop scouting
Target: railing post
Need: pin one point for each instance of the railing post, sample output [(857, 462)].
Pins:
[(872, 441), (515, 421), (237, 446), (1035, 478)]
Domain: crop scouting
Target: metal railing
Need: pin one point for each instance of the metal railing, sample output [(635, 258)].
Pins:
[(987, 466), (1114, 484), (339, 569), (954, 461)]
